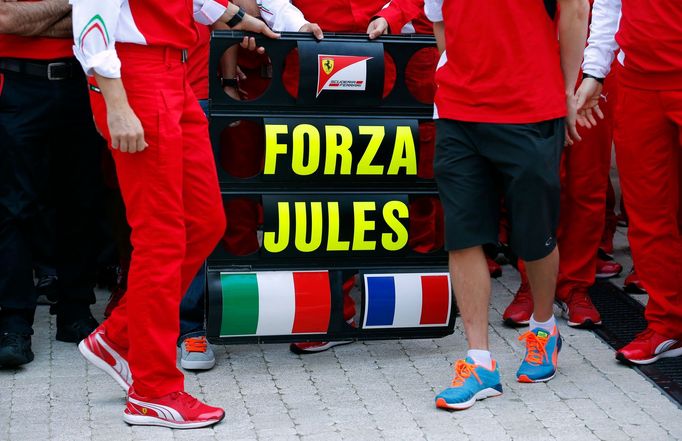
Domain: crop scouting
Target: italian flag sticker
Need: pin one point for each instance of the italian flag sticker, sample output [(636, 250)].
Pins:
[(275, 303)]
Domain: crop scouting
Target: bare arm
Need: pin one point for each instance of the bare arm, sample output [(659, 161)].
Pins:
[(572, 37), (61, 29), (30, 19), (439, 33)]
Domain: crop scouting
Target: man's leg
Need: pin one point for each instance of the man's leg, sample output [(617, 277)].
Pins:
[(466, 185), (528, 157), (205, 223), (648, 147), (25, 117), (542, 275), (77, 180), (471, 282)]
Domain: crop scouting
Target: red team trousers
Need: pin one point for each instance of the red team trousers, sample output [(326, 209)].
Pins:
[(584, 181), (648, 132), (174, 208)]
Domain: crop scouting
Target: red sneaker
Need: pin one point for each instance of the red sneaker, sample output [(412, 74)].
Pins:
[(649, 346), (632, 284), (315, 346), (177, 410), (107, 356), (606, 266), (520, 309), (494, 268), (579, 311)]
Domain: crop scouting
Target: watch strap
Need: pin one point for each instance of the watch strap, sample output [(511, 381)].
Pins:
[(599, 80), (236, 18), (230, 82)]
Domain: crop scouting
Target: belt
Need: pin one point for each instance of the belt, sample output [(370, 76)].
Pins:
[(53, 71)]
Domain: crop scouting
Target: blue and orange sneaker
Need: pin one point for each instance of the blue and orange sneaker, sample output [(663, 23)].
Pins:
[(542, 353), (472, 382)]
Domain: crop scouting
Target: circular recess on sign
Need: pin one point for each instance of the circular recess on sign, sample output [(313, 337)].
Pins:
[(242, 148), (389, 74), (247, 74), (426, 224), (291, 73), (419, 74), (244, 217)]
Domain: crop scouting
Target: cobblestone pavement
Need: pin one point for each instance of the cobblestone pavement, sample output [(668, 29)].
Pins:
[(374, 390)]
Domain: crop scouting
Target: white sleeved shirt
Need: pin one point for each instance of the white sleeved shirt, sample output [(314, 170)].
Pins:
[(601, 44), (281, 15), (434, 10), (99, 24)]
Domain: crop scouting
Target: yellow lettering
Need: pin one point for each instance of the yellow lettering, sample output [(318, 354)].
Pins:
[(269, 239), (333, 242), (339, 140), (272, 147), (301, 217), (392, 211), (299, 134), (362, 225), (404, 153), (365, 166)]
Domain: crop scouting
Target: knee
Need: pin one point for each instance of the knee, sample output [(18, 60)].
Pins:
[(211, 227)]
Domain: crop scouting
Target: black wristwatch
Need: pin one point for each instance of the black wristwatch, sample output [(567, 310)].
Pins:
[(236, 18), (599, 80), (230, 82)]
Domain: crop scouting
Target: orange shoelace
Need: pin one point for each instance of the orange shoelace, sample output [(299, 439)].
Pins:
[(196, 344), (464, 370), (536, 347)]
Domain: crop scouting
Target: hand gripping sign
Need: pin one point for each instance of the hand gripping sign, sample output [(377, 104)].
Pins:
[(326, 179)]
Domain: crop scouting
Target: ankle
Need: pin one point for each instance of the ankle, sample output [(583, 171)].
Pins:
[(547, 325), (481, 357)]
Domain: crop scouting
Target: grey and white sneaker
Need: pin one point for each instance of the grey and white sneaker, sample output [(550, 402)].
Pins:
[(196, 354)]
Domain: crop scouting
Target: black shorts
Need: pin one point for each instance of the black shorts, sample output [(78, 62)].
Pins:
[(479, 165)]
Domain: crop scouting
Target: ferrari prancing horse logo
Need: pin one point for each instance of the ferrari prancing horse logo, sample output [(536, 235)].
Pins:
[(327, 65)]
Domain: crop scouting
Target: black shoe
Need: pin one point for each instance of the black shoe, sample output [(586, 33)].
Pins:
[(74, 332), (15, 349), (46, 290)]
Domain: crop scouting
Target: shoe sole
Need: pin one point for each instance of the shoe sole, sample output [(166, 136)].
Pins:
[(480, 395), (203, 365), (526, 379), (607, 275), (515, 324), (667, 354), (102, 365), (631, 288), (141, 420), (296, 350), (13, 361)]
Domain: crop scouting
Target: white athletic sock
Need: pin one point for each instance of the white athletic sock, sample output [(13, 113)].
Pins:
[(481, 358), (547, 326)]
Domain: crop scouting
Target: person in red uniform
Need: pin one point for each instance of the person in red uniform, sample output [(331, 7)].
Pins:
[(648, 138), (49, 175), (142, 103), (374, 18)]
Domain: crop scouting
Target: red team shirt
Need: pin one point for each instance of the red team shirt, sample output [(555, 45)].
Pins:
[(503, 63), (652, 54)]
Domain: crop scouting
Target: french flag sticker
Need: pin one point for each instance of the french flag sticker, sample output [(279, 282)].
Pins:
[(407, 300)]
